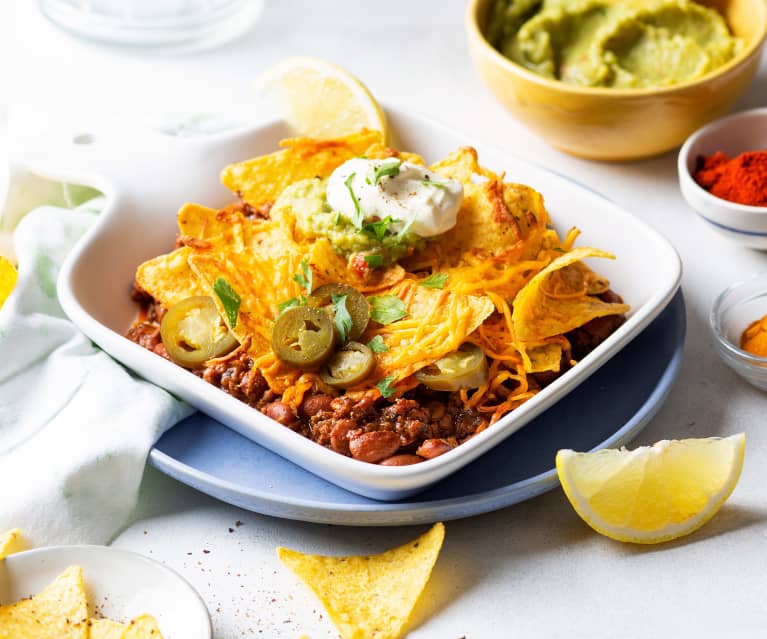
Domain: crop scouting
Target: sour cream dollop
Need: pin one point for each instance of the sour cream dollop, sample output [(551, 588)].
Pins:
[(420, 199)]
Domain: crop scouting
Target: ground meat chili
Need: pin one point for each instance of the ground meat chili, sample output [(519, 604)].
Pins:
[(421, 425)]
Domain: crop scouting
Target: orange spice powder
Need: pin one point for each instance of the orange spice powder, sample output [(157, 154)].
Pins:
[(754, 338)]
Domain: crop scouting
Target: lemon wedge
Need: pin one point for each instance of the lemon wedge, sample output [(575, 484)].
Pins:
[(8, 277), (319, 99), (11, 542), (654, 493)]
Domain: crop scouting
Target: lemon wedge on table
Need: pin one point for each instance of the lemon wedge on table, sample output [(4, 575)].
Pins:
[(8, 276), (322, 100), (654, 493)]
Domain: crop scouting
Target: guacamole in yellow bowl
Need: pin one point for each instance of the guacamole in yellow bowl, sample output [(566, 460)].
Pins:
[(621, 44)]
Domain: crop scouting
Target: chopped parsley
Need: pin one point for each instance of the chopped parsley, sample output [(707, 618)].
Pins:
[(435, 280), (374, 260), (342, 318), (357, 221), (377, 230), (293, 301), (305, 277), (387, 168), (385, 386), (386, 309), (229, 300), (377, 345)]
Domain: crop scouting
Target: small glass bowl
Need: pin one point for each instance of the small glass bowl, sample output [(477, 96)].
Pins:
[(733, 311)]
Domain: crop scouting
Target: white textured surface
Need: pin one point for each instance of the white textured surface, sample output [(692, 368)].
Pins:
[(530, 571)]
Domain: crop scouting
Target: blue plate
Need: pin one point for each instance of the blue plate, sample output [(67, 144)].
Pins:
[(606, 410)]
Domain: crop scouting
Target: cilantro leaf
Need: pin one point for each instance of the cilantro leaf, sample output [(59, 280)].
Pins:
[(229, 300), (435, 280), (385, 386), (342, 318), (386, 309), (377, 345), (387, 168), (374, 260), (377, 230), (358, 217), (293, 301), (305, 278)]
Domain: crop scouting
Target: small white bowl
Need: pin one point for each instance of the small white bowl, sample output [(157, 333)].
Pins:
[(744, 131), (120, 584), (732, 312)]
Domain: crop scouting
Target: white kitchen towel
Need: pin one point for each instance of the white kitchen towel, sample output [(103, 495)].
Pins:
[(75, 426)]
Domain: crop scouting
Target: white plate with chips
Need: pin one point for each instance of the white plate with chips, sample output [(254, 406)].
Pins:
[(148, 176), (119, 585)]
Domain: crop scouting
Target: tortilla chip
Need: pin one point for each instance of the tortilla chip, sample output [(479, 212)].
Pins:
[(371, 596), (143, 627), (540, 312), (380, 151), (437, 323), (261, 180), (58, 612), (11, 542), (331, 267), (496, 220), (462, 165), (259, 284), (539, 359), (200, 222), (106, 629), (168, 278)]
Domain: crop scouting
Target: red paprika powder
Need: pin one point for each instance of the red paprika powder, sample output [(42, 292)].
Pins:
[(742, 179)]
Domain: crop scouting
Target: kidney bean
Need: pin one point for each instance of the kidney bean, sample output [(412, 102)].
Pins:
[(374, 447), (339, 436), (432, 448), (279, 412), (401, 460), (314, 404)]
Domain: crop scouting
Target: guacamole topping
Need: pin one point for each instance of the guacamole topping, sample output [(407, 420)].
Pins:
[(314, 217), (621, 44)]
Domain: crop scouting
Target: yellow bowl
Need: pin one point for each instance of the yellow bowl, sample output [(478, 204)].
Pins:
[(619, 124)]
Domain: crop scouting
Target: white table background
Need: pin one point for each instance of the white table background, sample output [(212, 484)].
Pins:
[(532, 570)]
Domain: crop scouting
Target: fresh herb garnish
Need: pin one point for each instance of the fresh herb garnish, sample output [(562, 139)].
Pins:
[(374, 260), (305, 278), (387, 168), (293, 301), (377, 345), (358, 217), (439, 185), (435, 280), (229, 300), (386, 309), (377, 230), (342, 318), (385, 386), (403, 231)]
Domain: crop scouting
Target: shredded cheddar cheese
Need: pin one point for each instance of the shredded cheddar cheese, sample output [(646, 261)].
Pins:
[(506, 282)]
